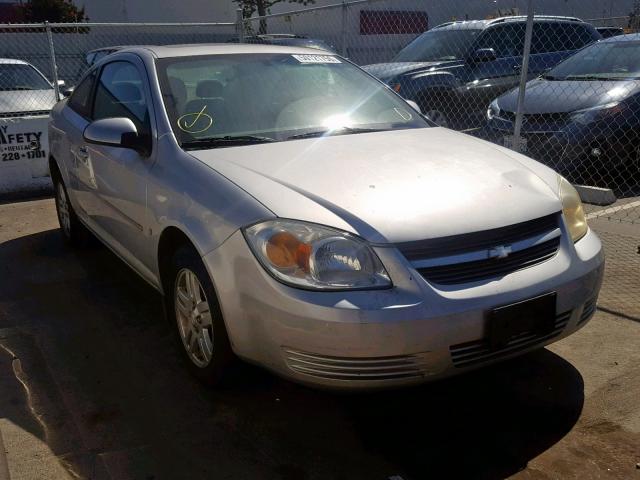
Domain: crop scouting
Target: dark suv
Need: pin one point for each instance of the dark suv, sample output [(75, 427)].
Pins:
[(456, 69)]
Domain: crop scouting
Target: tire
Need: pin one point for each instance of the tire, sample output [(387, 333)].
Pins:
[(72, 229), (194, 312)]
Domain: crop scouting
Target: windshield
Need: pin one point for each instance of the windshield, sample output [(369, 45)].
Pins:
[(601, 61), (18, 76), (438, 45), (274, 97)]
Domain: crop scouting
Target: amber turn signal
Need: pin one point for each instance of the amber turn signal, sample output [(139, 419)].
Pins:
[(286, 251)]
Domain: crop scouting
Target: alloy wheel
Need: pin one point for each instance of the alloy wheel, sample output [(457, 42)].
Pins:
[(193, 315)]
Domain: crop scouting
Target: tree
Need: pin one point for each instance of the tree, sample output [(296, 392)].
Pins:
[(59, 11), (249, 7)]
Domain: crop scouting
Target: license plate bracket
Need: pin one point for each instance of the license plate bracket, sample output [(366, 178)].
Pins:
[(536, 315)]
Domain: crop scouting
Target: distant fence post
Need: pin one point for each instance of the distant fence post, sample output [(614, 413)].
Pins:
[(343, 31), (523, 76), (240, 25), (54, 66)]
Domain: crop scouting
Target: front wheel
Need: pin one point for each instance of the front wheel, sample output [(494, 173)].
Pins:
[(194, 310)]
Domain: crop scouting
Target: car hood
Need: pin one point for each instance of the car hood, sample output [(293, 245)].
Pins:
[(560, 96), (26, 100), (393, 186), (387, 71)]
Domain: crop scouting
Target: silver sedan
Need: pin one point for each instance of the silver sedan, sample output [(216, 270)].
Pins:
[(298, 214)]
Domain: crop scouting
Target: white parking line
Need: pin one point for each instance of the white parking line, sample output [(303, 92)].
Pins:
[(611, 210)]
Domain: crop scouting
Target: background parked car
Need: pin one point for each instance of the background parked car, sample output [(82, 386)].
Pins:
[(583, 116), (454, 70), (26, 98)]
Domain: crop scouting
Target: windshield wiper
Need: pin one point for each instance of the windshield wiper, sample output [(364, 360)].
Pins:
[(226, 141), (339, 131)]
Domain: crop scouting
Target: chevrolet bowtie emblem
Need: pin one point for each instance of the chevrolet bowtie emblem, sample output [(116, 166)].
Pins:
[(502, 251)]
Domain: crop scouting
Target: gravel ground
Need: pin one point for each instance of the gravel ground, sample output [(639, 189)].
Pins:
[(93, 387)]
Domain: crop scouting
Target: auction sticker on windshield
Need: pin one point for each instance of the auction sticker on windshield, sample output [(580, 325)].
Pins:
[(24, 140), (316, 59)]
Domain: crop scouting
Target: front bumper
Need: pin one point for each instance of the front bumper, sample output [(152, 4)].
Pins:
[(409, 334)]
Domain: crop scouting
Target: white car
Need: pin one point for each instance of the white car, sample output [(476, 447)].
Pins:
[(26, 99)]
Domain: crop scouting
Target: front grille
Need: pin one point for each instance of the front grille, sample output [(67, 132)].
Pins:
[(438, 253), (476, 352), (542, 119), (491, 267), (466, 242), (353, 368)]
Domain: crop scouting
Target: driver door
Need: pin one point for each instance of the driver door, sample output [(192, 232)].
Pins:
[(119, 206), (499, 75)]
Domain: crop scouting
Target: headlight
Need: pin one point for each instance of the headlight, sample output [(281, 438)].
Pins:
[(311, 256), (572, 209), (493, 110), (586, 115)]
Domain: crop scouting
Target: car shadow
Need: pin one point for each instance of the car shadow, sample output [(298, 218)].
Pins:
[(106, 380)]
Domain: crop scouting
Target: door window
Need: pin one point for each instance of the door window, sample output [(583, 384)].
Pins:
[(506, 40), (120, 93)]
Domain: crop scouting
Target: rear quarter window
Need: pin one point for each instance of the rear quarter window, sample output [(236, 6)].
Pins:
[(558, 37), (80, 100)]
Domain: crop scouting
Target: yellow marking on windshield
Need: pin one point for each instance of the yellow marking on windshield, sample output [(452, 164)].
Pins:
[(201, 121)]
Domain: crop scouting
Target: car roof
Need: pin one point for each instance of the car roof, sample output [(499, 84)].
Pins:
[(13, 61), (480, 24), (189, 50), (630, 37)]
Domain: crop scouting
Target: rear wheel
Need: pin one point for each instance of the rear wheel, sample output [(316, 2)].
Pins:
[(73, 231), (194, 310)]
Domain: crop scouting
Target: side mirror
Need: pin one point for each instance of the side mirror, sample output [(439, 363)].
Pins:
[(483, 55), (61, 83), (116, 132), (414, 105)]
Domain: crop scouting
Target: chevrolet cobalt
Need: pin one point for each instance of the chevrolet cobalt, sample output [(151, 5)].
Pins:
[(300, 215)]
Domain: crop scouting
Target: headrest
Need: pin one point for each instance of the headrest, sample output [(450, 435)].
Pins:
[(209, 89), (178, 89), (127, 93)]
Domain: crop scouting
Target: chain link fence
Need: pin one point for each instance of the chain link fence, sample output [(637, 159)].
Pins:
[(547, 84)]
